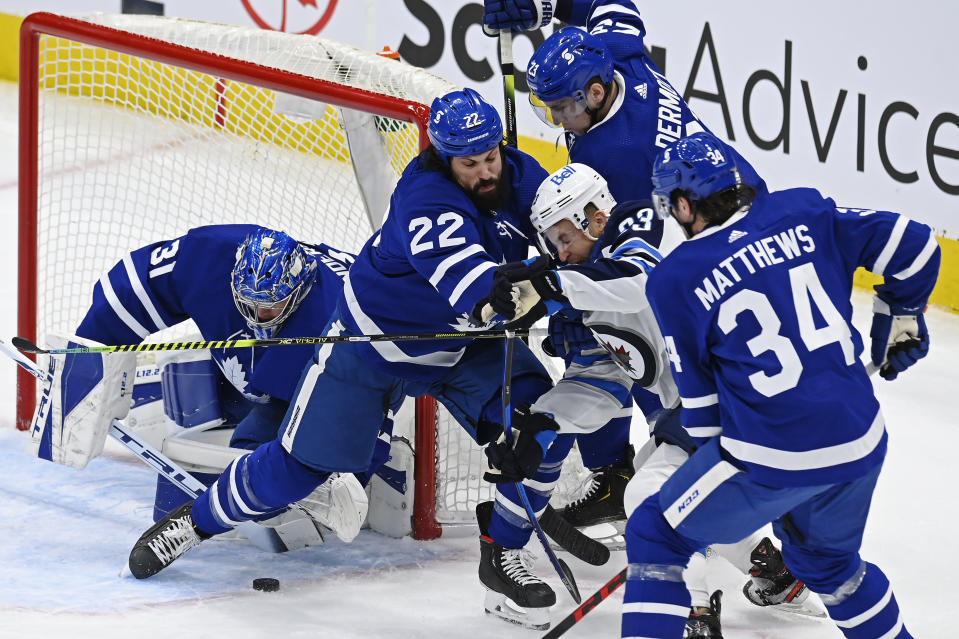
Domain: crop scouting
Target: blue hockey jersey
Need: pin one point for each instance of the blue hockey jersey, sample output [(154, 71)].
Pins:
[(171, 281), (430, 264), (757, 319), (647, 115)]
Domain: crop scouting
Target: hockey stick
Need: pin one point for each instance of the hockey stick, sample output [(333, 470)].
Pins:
[(565, 574), (594, 600), (25, 345), (509, 103), (571, 539), (261, 536)]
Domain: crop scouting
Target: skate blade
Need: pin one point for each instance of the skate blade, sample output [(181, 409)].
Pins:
[(608, 534), (501, 606), (812, 607)]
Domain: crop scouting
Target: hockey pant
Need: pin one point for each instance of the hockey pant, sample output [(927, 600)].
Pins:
[(708, 500), (647, 481)]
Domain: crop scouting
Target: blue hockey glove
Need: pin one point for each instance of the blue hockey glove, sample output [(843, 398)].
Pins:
[(568, 337), (899, 338), (532, 435), (516, 15)]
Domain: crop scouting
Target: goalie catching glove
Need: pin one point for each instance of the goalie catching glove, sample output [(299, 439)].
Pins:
[(84, 393), (899, 338), (532, 435)]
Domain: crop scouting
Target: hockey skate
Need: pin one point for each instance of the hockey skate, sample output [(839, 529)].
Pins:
[(772, 584), (705, 623), (165, 541), (340, 503), (513, 592), (603, 499)]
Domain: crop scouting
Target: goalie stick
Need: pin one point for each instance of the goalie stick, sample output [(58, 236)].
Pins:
[(261, 536), (25, 345)]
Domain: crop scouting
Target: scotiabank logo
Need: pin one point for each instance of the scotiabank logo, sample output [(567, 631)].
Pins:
[(291, 16)]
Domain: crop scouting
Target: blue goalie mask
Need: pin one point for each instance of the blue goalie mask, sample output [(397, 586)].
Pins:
[(700, 165), (272, 275)]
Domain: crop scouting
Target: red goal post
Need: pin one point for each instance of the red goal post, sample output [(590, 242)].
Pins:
[(135, 128)]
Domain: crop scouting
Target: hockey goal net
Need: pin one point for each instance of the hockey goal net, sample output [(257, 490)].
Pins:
[(138, 128)]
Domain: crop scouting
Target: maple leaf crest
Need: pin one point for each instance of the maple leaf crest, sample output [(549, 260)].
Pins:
[(462, 324), (619, 355), (233, 370)]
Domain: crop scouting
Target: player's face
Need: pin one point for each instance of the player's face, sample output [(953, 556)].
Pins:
[(267, 313), (481, 176), (572, 245)]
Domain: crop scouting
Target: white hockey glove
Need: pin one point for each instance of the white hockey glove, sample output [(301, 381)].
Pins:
[(82, 397), (516, 15), (518, 303), (899, 338)]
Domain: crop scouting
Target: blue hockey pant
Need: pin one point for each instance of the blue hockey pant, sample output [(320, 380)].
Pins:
[(709, 500)]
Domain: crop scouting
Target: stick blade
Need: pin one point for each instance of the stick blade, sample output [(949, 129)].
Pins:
[(26, 346), (570, 582)]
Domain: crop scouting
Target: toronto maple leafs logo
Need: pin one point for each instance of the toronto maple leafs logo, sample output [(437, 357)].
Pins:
[(464, 323)]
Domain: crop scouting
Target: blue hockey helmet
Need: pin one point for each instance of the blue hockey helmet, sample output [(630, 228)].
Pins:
[(271, 276), (462, 123), (562, 67), (700, 164)]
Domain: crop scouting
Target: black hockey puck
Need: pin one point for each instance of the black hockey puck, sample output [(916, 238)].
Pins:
[(266, 584)]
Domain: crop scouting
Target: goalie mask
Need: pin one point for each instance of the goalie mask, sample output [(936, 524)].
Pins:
[(564, 196), (272, 275)]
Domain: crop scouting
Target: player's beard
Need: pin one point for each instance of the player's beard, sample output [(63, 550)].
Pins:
[(495, 199)]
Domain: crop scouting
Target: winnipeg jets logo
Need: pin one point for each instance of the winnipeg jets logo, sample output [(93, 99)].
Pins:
[(619, 355), (642, 90), (736, 234), (503, 229)]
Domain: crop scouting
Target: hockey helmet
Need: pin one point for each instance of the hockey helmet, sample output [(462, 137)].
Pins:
[(273, 274), (564, 196), (700, 164), (561, 68), (462, 123)]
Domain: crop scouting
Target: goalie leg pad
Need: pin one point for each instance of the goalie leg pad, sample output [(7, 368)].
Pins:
[(391, 492), (84, 393), (190, 392)]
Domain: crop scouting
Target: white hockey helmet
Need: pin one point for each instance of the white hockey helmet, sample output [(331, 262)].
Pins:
[(564, 196)]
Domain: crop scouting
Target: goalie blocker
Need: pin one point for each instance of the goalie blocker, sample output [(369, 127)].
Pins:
[(82, 396)]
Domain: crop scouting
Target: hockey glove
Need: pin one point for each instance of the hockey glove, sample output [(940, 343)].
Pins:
[(516, 15), (568, 337), (518, 303), (532, 435), (899, 338)]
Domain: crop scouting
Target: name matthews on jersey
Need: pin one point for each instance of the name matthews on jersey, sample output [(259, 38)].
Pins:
[(769, 251)]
